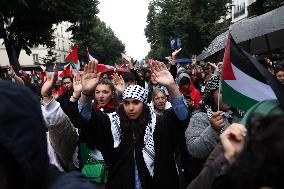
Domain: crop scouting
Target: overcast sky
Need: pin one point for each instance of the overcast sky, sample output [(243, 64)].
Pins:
[(127, 18)]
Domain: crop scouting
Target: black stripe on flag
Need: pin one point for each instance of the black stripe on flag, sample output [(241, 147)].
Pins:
[(240, 59)]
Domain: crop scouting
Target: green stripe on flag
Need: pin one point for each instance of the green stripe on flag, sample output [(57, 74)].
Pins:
[(236, 99), (73, 65)]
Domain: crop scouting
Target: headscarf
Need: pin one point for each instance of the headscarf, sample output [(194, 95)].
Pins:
[(136, 92)]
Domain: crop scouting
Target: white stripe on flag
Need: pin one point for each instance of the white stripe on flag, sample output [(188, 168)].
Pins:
[(92, 58), (250, 87)]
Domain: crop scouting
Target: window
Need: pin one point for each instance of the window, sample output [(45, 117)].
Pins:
[(61, 31), (63, 45), (35, 58), (240, 8), (58, 44)]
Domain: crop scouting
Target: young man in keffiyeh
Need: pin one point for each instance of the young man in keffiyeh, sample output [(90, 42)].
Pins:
[(138, 148)]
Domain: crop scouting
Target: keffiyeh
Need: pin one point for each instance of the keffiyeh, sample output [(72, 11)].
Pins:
[(136, 92), (149, 148)]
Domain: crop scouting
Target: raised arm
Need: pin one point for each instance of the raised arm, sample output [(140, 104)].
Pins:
[(14, 76), (163, 77), (89, 81)]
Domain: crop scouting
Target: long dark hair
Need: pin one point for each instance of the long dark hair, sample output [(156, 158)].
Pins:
[(138, 125)]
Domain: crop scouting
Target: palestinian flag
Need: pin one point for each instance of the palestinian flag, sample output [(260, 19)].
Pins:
[(72, 58), (245, 81), (91, 58), (67, 72)]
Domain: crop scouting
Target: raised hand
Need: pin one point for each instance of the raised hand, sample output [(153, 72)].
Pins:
[(49, 83), (161, 74), (217, 121), (174, 54), (214, 66), (233, 139), (90, 78), (194, 60), (118, 83), (77, 86)]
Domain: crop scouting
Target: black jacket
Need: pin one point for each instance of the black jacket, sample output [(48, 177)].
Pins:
[(120, 160)]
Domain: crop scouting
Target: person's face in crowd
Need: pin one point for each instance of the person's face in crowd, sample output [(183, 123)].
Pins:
[(223, 106), (67, 83), (103, 94), (132, 108), (185, 86), (207, 77), (280, 76), (160, 101)]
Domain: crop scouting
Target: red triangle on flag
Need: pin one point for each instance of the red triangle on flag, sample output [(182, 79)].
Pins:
[(228, 73), (67, 72), (73, 56)]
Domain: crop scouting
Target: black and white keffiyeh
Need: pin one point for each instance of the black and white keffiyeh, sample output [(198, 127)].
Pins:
[(136, 92), (139, 93), (148, 150), (212, 85)]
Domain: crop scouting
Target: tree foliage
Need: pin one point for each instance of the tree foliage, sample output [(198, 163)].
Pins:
[(194, 21), (100, 40), (28, 23)]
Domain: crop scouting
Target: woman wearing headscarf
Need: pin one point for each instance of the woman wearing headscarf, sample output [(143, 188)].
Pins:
[(138, 149)]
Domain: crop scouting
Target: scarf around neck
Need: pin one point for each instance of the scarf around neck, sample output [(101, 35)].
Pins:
[(148, 149)]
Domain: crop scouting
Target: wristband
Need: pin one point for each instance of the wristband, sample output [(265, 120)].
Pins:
[(86, 94), (75, 98)]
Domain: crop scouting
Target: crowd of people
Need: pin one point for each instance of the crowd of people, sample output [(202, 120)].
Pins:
[(159, 126)]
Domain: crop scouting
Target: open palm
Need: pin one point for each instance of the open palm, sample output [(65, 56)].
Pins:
[(161, 74), (90, 77), (77, 85), (49, 83), (118, 83)]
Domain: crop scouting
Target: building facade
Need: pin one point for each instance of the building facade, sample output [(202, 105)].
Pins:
[(62, 48), (240, 9)]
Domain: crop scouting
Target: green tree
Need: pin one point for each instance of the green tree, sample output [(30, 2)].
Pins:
[(50, 57), (28, 23), (194, 21)]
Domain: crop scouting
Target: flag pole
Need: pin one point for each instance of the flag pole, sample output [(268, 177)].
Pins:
[(220, 82), (219, 93)]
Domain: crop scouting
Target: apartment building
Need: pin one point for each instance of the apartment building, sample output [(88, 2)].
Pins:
[(62, 48)]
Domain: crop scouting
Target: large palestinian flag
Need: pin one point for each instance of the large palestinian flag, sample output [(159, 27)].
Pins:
[(245, 81)]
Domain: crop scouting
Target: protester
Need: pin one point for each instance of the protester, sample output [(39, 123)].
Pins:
[(226, 154), (279, 72), (121, 136), (160, 102), (24, 161), (191, 94), (14, 76), (105, 101), (205, 126), (62, 150)]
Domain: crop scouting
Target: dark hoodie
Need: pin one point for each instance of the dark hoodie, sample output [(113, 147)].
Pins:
[(23, 139), (22, 132)]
